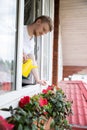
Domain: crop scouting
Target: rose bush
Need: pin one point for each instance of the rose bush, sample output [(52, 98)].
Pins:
[(33, 112)]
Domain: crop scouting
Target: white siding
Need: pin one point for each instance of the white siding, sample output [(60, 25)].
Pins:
[(73, 20)]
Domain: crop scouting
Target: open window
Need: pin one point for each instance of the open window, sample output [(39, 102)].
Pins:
[(11, 38), (32, 9), (43, 44)]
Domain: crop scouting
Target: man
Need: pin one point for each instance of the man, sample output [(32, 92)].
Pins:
[(42, 25)]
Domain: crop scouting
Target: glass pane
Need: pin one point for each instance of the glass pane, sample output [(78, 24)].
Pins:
[(46, 46), (7, 44), (46, 60), (48, 9), (28, 11)]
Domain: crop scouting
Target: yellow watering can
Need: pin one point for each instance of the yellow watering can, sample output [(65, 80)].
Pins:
[(27, 67)]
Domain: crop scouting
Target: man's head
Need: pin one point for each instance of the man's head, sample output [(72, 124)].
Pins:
[(42, 25)]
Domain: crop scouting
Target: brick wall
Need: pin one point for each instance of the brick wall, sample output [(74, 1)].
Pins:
[(70, 70)]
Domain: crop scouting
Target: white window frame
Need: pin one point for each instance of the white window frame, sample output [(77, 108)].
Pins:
[(12, 97), (51, 13)]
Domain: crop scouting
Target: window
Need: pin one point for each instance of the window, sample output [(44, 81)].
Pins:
[(7, 45), (12, 96), (12, 38), (43, 46)]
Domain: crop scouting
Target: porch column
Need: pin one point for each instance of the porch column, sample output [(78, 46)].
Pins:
[(55, 43)]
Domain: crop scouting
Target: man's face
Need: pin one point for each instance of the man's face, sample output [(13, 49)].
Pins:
[(41, 28)]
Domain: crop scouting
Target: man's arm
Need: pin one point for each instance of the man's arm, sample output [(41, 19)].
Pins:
[(35, 70)]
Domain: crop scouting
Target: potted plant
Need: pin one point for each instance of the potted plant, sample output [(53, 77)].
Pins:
[(45, 111)]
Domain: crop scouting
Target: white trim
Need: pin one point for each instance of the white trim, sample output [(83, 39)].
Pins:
[(20, 45), (43, 3), (42, 41), (12, 96)]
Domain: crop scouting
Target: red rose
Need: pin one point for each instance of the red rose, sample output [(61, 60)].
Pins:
[(43, 102), (50, 88), (23, 101), (4, 125), (44, 91)]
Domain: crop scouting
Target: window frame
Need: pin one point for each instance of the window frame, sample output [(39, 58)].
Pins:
[(12, 97), (5, 100), (50, 38)]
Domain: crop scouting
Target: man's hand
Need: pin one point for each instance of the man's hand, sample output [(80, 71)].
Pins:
[(42, 82)]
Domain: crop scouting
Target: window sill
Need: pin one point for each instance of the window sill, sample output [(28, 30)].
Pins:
[(12, 98)]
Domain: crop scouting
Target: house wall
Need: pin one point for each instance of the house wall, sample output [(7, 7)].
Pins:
[(73, 21)]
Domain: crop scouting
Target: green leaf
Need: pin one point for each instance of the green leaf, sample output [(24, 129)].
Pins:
[(54, 114), (26, 127), (20, 127), (41, 128), (34, 127), (57, 128), (17, 117), (21, 111), (65, 122)]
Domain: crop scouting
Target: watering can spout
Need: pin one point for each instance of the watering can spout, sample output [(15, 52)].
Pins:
[(34, 66), (27, 67)]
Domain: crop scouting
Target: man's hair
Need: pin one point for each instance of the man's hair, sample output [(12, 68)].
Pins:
[(46, 19)]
